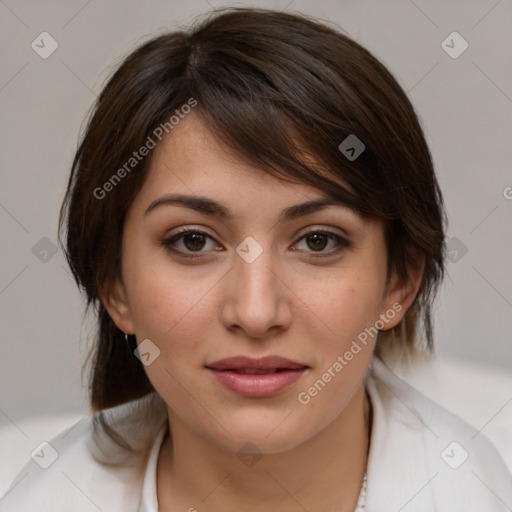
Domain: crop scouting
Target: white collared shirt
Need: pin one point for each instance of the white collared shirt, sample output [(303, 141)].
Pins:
[(149, 500), (422, 458)]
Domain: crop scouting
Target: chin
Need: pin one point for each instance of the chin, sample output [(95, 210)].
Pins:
[(262, 437)]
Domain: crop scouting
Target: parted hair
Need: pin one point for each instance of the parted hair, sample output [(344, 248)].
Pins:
[(283, 91)]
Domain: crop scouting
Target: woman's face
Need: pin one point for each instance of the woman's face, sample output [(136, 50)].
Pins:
[(251, 282)]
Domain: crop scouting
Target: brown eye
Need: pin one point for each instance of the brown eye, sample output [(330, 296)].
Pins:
[(189, 241), (194, 241), (317, 241)]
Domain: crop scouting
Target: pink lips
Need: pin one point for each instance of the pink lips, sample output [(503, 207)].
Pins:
[(257, 378)]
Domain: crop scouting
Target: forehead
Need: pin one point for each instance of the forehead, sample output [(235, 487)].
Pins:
[(191, 160)]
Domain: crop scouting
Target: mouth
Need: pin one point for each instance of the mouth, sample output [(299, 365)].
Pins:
[(250, 371), (260, 364), (257, 378)]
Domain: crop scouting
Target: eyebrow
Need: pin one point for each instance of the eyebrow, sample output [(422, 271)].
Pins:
[(210, 207)]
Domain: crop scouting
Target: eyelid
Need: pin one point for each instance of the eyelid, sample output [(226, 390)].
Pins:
[(325, 228)]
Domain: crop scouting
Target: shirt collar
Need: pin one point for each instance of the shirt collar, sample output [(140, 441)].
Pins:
[(149, 499)]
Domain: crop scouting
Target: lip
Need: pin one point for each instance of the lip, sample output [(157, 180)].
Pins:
[(255, 363), (257, 385)]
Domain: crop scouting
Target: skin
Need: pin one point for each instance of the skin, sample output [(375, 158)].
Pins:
[(288, 302)]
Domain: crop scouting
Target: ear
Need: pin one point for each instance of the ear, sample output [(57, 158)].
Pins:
[(400, 294), (115, 300)]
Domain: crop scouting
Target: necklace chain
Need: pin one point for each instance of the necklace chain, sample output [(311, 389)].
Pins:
[(361, 501)]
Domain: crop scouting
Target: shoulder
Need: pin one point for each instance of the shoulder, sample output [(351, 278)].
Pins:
[(85, 469), (423, 454)]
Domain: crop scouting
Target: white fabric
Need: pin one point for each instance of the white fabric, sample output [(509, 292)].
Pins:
[(406, 469), (149, 501), (481, 395)]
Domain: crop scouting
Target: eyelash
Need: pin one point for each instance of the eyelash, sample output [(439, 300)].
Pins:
[(343, 243)]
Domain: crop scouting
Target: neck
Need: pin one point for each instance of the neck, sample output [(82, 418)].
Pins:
[(324, 473)]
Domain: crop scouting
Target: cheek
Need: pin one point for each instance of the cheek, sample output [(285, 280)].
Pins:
[(170, 308), (347, 304), (175, 314), (349, 309), (166, 304)]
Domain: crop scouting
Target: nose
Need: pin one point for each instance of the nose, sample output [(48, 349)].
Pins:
[(257, 297)]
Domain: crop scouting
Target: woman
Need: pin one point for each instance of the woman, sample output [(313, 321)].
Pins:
[(254, 214)]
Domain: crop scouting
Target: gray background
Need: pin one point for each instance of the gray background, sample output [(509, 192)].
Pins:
[(466, 109)]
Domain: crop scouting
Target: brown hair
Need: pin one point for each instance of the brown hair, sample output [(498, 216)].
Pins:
[(283, 91)]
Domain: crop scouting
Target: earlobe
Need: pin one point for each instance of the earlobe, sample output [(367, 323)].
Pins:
[(115, 301)]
